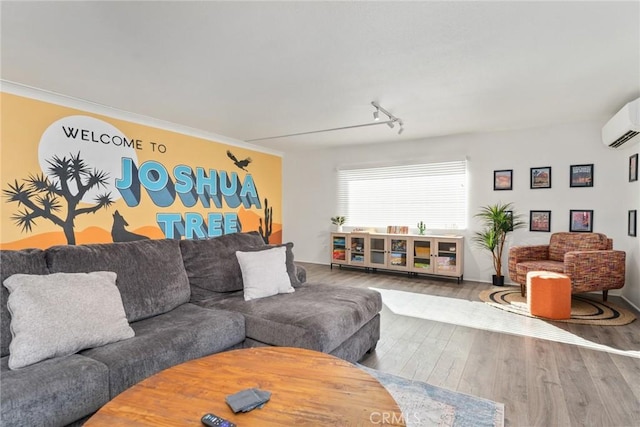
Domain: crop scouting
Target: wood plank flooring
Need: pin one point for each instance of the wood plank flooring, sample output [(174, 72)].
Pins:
[(541, 383)]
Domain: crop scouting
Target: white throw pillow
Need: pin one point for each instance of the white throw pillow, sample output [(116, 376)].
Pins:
[(264, 273), (62, 313)]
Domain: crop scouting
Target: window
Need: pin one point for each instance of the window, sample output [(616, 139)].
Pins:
[(405, 195)]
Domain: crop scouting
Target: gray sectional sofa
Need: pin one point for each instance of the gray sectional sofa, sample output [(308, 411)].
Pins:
[(184, 300)]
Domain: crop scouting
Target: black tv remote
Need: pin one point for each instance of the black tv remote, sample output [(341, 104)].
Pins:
[(215, 421)]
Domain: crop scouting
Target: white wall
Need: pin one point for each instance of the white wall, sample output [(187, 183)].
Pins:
[(309, 179)]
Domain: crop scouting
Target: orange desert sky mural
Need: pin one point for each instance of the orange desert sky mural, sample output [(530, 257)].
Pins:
[(74, 177)]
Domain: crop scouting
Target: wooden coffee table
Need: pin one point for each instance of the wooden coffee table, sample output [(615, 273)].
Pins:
[(308, 388)]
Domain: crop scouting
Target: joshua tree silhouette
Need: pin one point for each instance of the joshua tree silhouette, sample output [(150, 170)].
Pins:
[(42, 197)]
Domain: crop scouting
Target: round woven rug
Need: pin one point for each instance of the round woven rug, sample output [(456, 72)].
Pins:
[(584, 310)]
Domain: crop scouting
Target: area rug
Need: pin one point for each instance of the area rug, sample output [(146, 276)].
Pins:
[(425, 405), (584, 310)]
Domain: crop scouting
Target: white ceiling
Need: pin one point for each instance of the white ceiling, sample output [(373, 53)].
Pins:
[(250, 70)]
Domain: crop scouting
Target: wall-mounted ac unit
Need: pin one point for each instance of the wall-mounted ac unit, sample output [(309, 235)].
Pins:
[(624, 127)]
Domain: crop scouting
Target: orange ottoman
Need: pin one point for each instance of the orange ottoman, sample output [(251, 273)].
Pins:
[(549, 294)]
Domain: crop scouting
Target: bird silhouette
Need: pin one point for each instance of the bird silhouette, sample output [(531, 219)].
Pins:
[(239, 163)]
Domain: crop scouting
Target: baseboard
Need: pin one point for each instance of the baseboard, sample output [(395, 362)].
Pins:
[(630, 303)]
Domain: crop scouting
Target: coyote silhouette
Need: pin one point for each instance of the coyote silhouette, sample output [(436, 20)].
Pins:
[(118, 232)]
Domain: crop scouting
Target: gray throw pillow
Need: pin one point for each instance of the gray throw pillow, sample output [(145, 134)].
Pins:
[(60, 314), (291, 266), (264, 273), (25, 261)]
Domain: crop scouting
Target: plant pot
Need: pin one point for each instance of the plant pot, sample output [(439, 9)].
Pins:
[(497, 280), (339, 228)]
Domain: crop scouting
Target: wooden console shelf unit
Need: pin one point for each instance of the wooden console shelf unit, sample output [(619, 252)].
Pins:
[(415, 254)]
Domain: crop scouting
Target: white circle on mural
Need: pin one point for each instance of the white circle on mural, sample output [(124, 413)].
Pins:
[(100, 145)]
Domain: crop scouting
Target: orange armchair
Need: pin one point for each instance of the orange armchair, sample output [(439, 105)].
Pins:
[(587, 258)]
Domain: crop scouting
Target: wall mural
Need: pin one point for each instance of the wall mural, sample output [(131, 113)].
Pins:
[(74, 177)]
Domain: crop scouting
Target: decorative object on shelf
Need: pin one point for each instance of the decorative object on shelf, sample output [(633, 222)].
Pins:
[(338, 221), (398, 245), (422, 251), (421, 228), (633, 167), (503, 179), (397, 229), (581, 221), (540, 221), (363, 230), (541, 177), (497, 223), (339, 251), (581, 175), (632, 222)]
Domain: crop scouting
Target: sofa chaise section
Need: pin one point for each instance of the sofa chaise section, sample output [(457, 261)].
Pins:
[(340, 320), (316, 316)]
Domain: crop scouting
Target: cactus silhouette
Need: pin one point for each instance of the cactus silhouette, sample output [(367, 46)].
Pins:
[(268, 221), (42, 197)]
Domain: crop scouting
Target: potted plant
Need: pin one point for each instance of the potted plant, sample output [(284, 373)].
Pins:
[(338, 221), (498, 221), (421, 228)]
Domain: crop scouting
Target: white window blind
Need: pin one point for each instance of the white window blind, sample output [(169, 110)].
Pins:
[(404, 195)]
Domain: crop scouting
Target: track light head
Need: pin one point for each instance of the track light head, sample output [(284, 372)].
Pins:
[(391, 119)]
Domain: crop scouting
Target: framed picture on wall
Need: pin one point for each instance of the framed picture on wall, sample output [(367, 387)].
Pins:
[(503, 179), (632, 222), (633, 168), (541, 177), (540, 221), (581, 175), (581, 221)]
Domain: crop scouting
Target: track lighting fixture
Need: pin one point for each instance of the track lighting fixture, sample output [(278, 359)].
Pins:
[(376, 117), (392, 119)]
